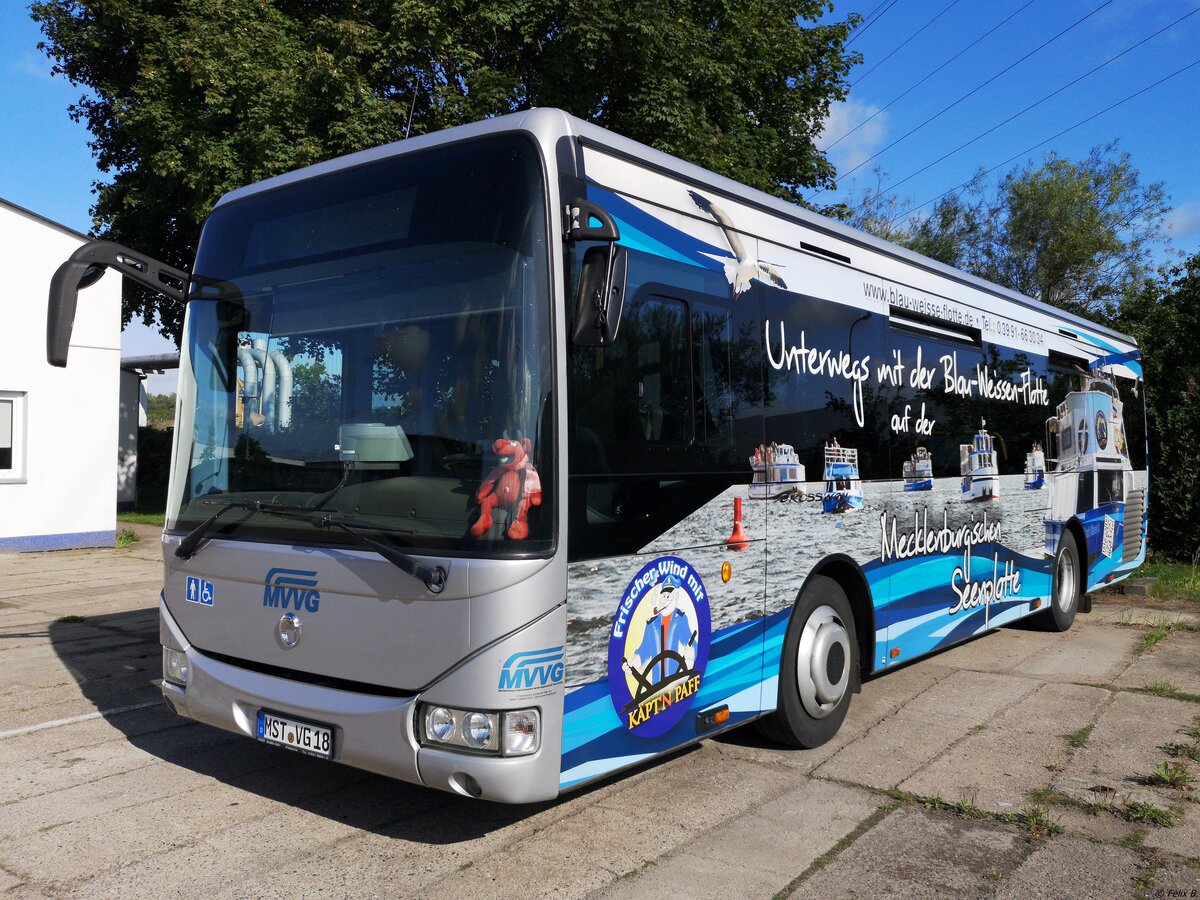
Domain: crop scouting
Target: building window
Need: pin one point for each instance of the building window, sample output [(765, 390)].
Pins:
[(12, 437)]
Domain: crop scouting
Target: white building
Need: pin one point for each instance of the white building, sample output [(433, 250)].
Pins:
[(58, 427)]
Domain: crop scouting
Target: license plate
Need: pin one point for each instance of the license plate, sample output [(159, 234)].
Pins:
[(315, 740)]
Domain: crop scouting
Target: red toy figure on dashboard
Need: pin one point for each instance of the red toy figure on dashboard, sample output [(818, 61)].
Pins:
[(513, 485)]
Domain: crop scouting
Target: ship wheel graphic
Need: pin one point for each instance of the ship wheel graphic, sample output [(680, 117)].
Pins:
[(645, 687)]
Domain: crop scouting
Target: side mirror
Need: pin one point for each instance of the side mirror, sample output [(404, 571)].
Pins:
[(602, 276), (84, 269), (601, 296)]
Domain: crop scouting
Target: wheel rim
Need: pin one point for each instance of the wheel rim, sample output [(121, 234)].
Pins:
[(823, 662), (1065, 595)]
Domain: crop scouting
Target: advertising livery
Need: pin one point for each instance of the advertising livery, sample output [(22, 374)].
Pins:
[(519, 454)]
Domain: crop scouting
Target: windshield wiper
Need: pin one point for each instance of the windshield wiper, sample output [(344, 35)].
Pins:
[(434, 578)]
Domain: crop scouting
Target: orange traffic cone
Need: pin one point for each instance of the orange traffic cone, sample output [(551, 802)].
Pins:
[(737, 540)]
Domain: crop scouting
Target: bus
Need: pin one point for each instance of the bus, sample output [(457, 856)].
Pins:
[(467, 427)]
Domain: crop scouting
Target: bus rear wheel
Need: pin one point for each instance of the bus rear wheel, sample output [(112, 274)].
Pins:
[(1064, 593), (817, 669)]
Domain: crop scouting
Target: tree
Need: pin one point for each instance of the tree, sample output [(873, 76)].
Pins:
[(1165, 318), (1075, 234), (189, 100), (160, 410)]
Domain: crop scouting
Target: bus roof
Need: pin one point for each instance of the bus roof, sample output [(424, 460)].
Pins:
[(549, 125)]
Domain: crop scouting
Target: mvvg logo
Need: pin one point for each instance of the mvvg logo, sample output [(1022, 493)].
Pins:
[(532, 669), (291, 589)]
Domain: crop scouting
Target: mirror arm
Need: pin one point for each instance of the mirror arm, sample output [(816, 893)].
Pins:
[(83, 268), (580, 213)]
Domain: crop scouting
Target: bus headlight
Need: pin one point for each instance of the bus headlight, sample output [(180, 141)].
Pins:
[(175, 667), (522, 732), (514, 733), (478, 729), (439, 724)]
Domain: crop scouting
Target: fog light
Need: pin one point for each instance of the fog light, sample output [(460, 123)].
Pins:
[(522, 734), (477, 730), (439, 724), (175, 667)]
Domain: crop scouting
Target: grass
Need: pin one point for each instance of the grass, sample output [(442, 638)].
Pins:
[(68, 620), (1047, 797), (127, 537), (1149, 813), (965, 808), (1147, 877), (1174, 581), (1168, 690), (1134, 839), (826, 858), (1077, 739), (1035, 819), (1182, 751), (1157, 632), (1169, 774), (137, 517)]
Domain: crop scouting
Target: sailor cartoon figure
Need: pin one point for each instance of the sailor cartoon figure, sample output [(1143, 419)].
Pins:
[(659, 646), (668, 629)]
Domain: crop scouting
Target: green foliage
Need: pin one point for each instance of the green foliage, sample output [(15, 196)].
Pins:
[(1137, 811), (154, 467), (189, 100), (1077, 739), (1077, 234), (1172, 581), (1169, 774), (1169, 690), (1165, 318), (160, 410), (1035, 819), (127, 537), (143, 518)]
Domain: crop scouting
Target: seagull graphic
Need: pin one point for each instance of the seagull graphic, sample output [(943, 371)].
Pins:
[(741, 269)]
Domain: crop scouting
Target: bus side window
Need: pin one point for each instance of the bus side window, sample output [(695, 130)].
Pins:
[(648, 414), (660, 332)]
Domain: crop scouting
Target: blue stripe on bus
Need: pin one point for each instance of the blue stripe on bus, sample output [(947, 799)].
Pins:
[(595, 740), (680, 245)]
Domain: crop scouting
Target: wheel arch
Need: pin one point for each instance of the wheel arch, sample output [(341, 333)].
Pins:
[(1075, 528), (850, 578)]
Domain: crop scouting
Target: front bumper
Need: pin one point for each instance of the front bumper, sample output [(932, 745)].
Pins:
[(373, 733)]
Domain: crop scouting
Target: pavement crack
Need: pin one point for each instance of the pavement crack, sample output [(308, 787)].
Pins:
[(833, 852)]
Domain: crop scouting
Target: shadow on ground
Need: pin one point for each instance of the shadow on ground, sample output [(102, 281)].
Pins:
[(116, 660)]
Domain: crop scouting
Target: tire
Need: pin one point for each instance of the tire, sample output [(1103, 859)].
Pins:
[(818, 668), (1064, 591)]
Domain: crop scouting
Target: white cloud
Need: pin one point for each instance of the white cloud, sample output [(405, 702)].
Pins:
[(1184, 220), (849, 142), (32, 64)]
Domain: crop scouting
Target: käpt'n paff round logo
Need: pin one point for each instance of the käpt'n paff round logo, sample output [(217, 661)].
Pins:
[(658, 647), (1101, 431)]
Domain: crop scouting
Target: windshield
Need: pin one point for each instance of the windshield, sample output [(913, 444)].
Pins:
[(374, 343)]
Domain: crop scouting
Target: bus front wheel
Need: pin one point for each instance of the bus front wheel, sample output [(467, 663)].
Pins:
[(1064, 594), (816, 672)]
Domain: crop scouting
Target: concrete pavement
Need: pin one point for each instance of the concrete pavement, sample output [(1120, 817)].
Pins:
[(1017, 765)]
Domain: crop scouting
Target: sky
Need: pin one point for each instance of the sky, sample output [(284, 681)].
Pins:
[(937, 74), (986, 61)]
